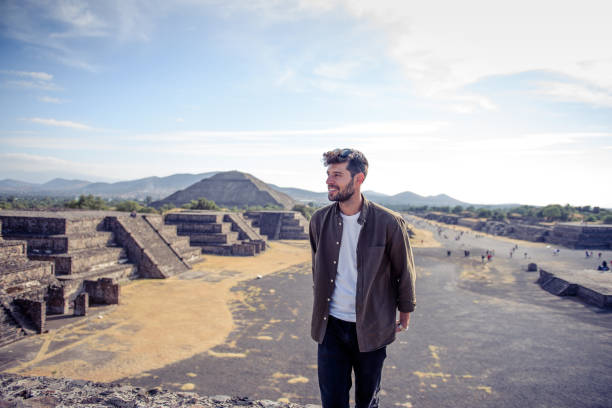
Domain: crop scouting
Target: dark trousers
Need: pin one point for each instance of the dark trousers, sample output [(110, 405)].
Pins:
[(337, 356)]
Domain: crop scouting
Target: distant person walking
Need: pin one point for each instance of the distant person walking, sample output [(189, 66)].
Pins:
[(363, 273)]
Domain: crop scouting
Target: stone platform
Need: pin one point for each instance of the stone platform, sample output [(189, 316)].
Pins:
[(217, 232), (279, 224), (61, 262), (591, 286)]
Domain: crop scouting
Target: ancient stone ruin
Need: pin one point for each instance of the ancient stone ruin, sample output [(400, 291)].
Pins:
[(23, 288), (227, 233), (230, 189), (574, 235), (217, 232), (279, 224), (63, 262), (571, 235)]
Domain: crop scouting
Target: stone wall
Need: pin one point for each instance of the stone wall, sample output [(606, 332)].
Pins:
[(572, 235), (441, 217), (23, 288), (583, 236), (217, 232), (534, 233), (279, 224)]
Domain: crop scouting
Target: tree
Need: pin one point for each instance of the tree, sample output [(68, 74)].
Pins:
[(128, 206), (203, 204), (607, 219), (551, 212), (305, 210), (483, 213), (87, 202), (167, 207), (457, 209)]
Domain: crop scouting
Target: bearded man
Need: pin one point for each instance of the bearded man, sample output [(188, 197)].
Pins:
[(363, 274)]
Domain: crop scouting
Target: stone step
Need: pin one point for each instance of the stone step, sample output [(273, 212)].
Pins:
[(211, 228), (84, 260), (84, 225), (199, 239), (61, 244), (293, 235), (32, 225), (191, 255), (9, 328), (292, 229), (31, 290), (291, 222), (180, 218), (560, 287), (15, 273), (12, 248), (73, 284), (181, 245), (230, 250), (117, 272)]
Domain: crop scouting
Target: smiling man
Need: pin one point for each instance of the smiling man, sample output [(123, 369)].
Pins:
[(363, 274)]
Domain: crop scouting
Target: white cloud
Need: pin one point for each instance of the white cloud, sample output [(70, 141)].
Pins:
[(38, 164), (49, 99), (60, 123), (41, 76), (443, 46), (32, 80), (40, 85), (353, 129), (573, 92)]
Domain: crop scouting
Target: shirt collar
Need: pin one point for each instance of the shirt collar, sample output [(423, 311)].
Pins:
[(365, 206)]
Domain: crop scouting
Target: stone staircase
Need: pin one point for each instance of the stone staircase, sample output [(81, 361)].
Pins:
[(180, 244), (23, 289), (147, 247), (279, 224), (80, 247), (217, 232)]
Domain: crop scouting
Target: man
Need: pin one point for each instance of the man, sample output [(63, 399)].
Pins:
[(363, 273)]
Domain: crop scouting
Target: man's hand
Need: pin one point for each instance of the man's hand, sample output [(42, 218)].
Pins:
[(402, 323)]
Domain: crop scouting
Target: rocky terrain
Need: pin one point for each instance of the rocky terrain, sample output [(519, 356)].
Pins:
[(44, 392)]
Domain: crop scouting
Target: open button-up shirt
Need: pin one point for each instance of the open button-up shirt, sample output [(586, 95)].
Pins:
[(385, 272)]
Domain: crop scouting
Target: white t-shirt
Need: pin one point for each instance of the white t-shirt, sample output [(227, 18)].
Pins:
[(342, 304)]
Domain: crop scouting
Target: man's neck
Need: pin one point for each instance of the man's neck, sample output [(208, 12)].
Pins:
[(353, 205)]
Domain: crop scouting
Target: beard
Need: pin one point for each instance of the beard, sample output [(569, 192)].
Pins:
[(342, 194)]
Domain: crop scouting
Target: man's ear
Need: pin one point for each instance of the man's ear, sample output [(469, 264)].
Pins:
[(359, 178)]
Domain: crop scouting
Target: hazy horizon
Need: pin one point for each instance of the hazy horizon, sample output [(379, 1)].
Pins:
[(485, 102)]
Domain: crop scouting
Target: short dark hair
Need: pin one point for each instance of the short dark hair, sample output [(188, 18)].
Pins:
[(357, 162)]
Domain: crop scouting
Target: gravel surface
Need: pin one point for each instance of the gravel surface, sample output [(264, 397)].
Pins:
[(43, 392)]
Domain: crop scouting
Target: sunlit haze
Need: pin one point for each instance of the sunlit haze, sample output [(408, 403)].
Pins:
[(488, 102)]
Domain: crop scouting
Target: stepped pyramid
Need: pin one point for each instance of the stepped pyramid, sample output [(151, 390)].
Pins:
[(57, 263), (229, 189)]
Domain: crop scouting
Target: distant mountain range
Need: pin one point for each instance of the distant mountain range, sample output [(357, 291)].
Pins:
[(154, 187), (160, 187)]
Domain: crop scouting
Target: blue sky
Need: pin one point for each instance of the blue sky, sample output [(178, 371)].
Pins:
[(489, 102)]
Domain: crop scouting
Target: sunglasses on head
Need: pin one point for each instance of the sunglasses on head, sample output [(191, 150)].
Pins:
[(345, 153)]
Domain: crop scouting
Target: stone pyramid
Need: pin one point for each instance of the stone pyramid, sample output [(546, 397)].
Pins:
[(229, 189)]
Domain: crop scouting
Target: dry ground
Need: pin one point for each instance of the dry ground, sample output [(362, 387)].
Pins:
[(158, 322)]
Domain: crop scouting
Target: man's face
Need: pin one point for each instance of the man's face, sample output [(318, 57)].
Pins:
[(340, 183)]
